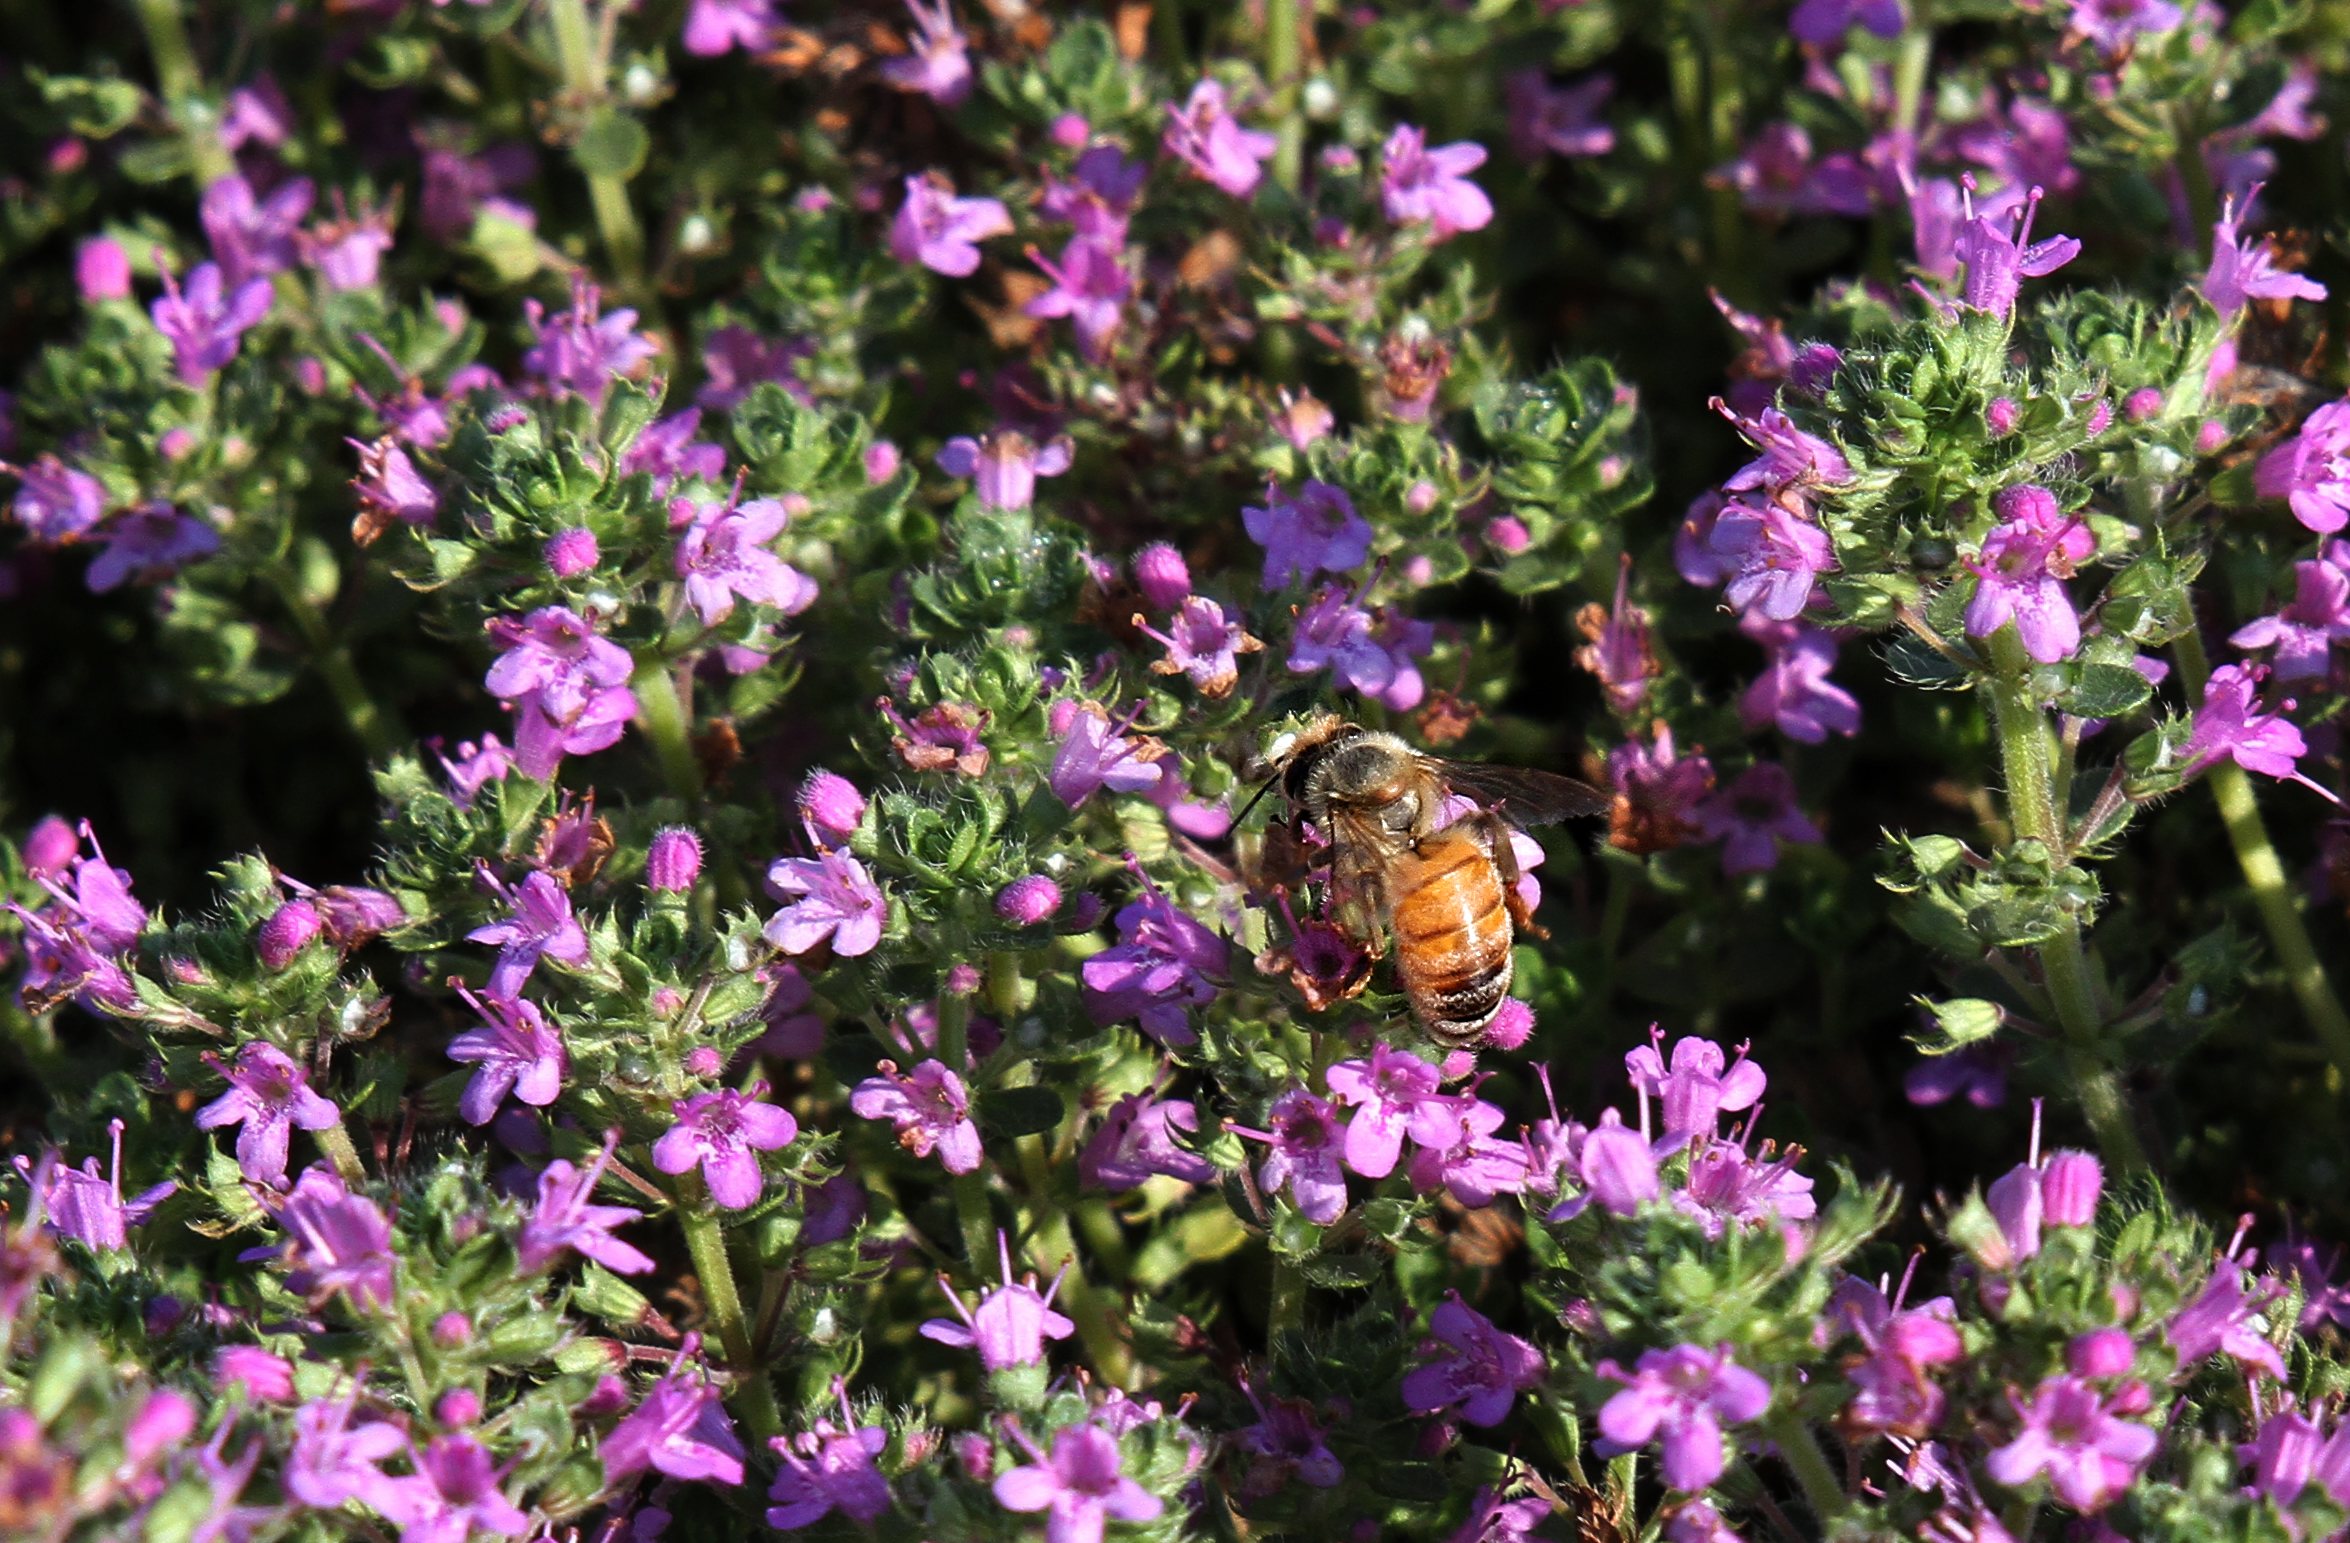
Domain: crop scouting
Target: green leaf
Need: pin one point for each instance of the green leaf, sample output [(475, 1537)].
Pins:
[(94, 109), (1020, 1111), (2106, 691), (612, 145)]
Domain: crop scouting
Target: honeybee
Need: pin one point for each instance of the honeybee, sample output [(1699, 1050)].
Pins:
[(1447, 888)]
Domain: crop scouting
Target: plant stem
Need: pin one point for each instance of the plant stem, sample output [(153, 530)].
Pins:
[(335, 1142), (1287, 1315), (662, 713), (2027, 754), (179, 82), (1910, 66), (754, 1396), (2272, 893), (1050, 1243), (972, 1213), (374, 728), (2195, 176), (1284, 63), (1810, 1464), (582, 53)]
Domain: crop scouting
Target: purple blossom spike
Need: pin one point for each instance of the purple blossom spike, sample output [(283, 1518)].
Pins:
[(829, 1468), (1617, 1167), (204, 323), (1700, 1087), (1005, 464), (514, 1050), (567, 1217), (1774, 558), (86, 1207), (1420, 186), (540, 923), (1135, 1143), (666, 451), (453, 1493), (54, 502), (1203, 646), (331, 1462), (1474, 1168), (719, 1131), (1790, 458), (940, 231), (1012, 1322), (336, 1241), (2304, 632), (253, 237), (2229, 724), (1686, 1395), (2071, 1433), (567, 686), (1095, 754), (1091, 284), (1481, 1370), (1162, 576), (1794, 691), (1163, 964), (2224, 1320), (268, 1095), (1751, 816), (1080, 1486), (1726, 1185), (148, 544), (581, 352), (681, 1429), (723, 553), (2019, 577), (1997, 261), (102, 270), (1318, 531), (2245, 270), (1305, 1140), (1204, 136), (1560, 120), (835, 900), (939, 67), (2311, 471), (930, 1108), (1393, 1094)]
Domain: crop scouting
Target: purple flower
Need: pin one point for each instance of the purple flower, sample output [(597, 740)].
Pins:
[(719, 1131), (2224, 1320), (1098, 202), (1751, 815), (2019, 577), (1207, 138), (1700, 1088), (1163, 964), (1420, 186), (540, 923), (1617, 1167), (2111, 24), (1286, 1443), (566, 1217), (1793, 690), (1698, 1522), (581, 352), (1726, 1185), (1936, 211), (1135, 1143), (2229, 724), (2304, 632), (148, 544), (940, 65), (331, 1463), (478, 764), (1337, 634), (681, 1429), (2026, 144), (1823, 22), (713, 27), (347, 251), (54, 502), (1979, 1073), (827, 1469), (1998, 261), (2311, 471), (1393, 1094), (1484, 1372), (1687, 1394), (1318, 531), (268, 1095), (459, 187), (253, 238), (723, 553), (2242, 271), (837, 902), (453, 1492), (1012, 1322), (567, 686), (940, 231), (1790, 457), (1778, 174), (1618, 650), (1563, 120), (1306, 1140), (666, 451), (89, 1209), (2284, 1457), (735, 359), (1203, 646), (1774, 558), (203, 325), (102, 270), (2071, 1434), (1079, 1486), (1005, 464), (929, 1107), (336, 1241), (1094, 754), (1473, 1167), (389, 490), (1091, 284), (514, 1051)]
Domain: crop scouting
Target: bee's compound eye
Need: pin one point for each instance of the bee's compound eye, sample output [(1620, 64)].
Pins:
[(1278, 751)]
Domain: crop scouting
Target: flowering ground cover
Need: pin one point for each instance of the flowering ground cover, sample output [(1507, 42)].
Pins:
[(655, 880)]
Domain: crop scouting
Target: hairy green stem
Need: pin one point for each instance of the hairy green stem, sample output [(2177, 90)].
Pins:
[(1049, 1245), (972, 1213), (180, 84), (335, 1142), (374, 727), (2027, 753), (1284, 63), (582, 54), (667, 722), (754, 1396), (1287, 1314), (1909, 76), (2195, 176), (1818, 1481), (2264, 872)]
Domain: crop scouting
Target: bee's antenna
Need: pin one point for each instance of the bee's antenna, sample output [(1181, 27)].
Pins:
[(1256, 799)]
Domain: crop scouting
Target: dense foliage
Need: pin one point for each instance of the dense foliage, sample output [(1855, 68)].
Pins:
[(640, 647)]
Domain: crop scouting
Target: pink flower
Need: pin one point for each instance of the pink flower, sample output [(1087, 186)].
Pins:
[(1418, 185), (2019, 577), (829, 1468), (940, 231), (1203, 646), (2223, 1321), (1997, 261), (540, 923), (2229, 724), (939, 67), (87, 1208), (1005, 464), (723, 553), (2070, 1433), (1080, 1486), (347, 251), (2242, 271), (1095, 754), (1774, 558), (837, 902), (1164, 964), (1617, 1167), (1483, 1373), (1794, 691), (1306, 1140), (1393, 1094), (712, 27), (453, 1493), (581, 352), (1012, 1322), (1751, 816), (336, 1241), (1618, 652), (1687, 1394), (268, 1095), (1205, 137), (2311, 471), (1562, 120), (1700, 1088), (1091, 283), (719, 1131), (253, 237), (929, 1107), (54, 502), (566, 1218), (1135, 1143), (1474, 1168), (203, 323), (2304, 632), (2112, 24), (1318, 531), (331, 1463), (514, 1051), (567, 686), (681, 1429)]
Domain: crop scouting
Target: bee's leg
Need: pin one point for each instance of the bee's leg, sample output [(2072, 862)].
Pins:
[(1496, 836)]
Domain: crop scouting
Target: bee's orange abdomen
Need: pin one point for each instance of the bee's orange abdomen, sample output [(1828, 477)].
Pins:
[(1452, 935)]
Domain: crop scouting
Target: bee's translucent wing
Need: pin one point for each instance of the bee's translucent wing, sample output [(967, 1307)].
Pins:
[(1521, 795)]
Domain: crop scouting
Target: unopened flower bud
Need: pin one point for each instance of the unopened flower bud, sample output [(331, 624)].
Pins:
[(457, 1407), (50, 847), (832, 803), (573, 552), (1420, 497), (610, 1397), (1340, 159), (2100, 418), (674, 860), (287, 933), (1085, 914), (1457, 1064), (977, 1455), (165, 1420), (881, 462), (1511, 1026), (2101, 1353), (1815, 365), (265, 1377), (451, 1330), (354, 913), (703, 1061), (176, 443), (667, 999), (962, 980), (2002, 416), (1070, 131), (2015, 1202), (2069, 1187), (2211, 436), (1162, 576), (2132, 1397), (1508, 534), (2142, 404), (2026, 502), (1419, 570), (163, 1314), (102, 270), (1025, 902)]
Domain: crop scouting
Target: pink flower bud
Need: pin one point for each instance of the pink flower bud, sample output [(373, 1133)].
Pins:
[(175, 444), (2069, 1186), (2100, 419), (571, 553), (2142, 404), (1511, 1026), (2101, 1353), (832, 803), (2015, 1202), (2026, 502), (1070, 131), (102, 270), (310, 374), (50, 847), (610, 1397), (451, 1330), (1457, 1064), (457, 1407), (1025, 902), (962, 980), (1085, 914), (1162, 576), (2211, 436), (674, 861), (977, 1455), (165, 1420), (1508, 534), (1419, 570), (702, 1061), (1063, 713), (1420, 497), (881, 462), (667, 999), (2001, 417), (354, 913), (265, 1377), (287, 933)]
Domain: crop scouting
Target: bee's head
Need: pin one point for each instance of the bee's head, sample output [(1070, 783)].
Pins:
[(1293, 756)]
